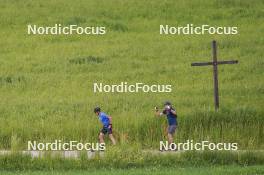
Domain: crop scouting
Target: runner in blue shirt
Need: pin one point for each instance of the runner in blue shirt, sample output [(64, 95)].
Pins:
[(107, 125), (170, 112)]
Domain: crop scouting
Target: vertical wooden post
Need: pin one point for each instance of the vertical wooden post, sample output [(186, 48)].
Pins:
[(215, 64), (215, 74)]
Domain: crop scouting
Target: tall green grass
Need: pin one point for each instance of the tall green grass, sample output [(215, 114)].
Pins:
[(127, 158), (46, 81), (219, 170), (246, 130)]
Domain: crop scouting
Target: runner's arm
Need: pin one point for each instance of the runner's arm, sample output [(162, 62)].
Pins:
[(173, 112), (110, 120), (157, 112)]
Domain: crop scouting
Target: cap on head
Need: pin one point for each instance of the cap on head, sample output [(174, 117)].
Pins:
[(167, 103), (97, 109)]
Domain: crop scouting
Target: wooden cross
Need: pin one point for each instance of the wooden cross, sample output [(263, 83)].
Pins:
[(215, 72)]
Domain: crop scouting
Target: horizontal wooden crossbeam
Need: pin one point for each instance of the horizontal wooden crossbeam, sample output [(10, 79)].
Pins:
[(211, 63)]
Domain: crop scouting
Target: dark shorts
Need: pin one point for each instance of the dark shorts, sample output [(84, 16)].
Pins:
[(171, 129), (106, 130)]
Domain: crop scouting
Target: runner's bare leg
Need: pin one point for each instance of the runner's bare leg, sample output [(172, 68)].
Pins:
[(101, 137), (170, 138), (112, 139)]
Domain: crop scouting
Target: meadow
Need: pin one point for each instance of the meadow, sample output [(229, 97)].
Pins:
[(46, 82), (175, 171)]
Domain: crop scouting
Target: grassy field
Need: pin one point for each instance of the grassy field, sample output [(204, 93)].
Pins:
[(47, 93), (219, 170)]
